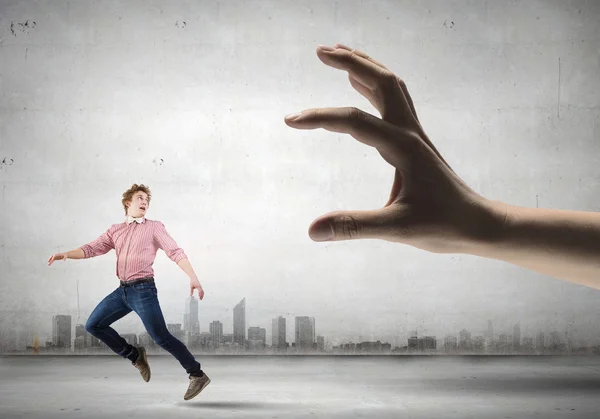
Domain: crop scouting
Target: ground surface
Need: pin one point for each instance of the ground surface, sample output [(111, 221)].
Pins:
[(304, 387)]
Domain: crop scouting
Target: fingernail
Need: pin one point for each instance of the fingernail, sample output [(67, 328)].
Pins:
[(292, 116), (321, 232), (326, 48)]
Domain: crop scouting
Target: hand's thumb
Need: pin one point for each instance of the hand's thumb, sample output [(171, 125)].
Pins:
[(349, 225)]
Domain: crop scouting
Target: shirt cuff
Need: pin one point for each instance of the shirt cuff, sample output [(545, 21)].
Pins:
[(179, 257), (87, 251)]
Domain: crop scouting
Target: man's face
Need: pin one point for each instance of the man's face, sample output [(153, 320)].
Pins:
[(138, 205)]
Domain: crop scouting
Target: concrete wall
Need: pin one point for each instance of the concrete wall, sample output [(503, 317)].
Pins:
[(188, 97)]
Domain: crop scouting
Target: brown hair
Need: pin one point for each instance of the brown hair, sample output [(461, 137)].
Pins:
[(128, 194)]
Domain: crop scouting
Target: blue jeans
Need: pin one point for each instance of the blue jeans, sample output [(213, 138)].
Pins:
[(143, 299)]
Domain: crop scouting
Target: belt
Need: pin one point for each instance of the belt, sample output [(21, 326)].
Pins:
[(136, 281)]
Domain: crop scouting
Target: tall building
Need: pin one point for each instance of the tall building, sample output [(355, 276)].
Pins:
[(205, 340), (239, 323), (82, 337), (191, 324), (464, 340), (278, 337), (61, 331), (257, 333), (80, 331), (425, 343), (305, 332), (216, 331), (257, 337), (450, 343), (321, 343)]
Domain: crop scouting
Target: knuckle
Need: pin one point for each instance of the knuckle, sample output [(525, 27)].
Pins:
[(389, 80), (346, 226), (314, 114), (352, 56), (355, 115)]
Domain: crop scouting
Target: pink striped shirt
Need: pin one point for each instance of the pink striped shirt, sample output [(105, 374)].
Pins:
[(136, 245)]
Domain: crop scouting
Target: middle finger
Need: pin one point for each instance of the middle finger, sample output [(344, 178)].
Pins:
[(374, 61), (382, 87)]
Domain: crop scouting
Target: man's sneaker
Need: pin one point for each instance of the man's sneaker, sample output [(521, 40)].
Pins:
[(141, 363), (197, 384)]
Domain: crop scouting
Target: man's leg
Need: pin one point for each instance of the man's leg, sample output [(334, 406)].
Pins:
[(143, 299), (109, 310)]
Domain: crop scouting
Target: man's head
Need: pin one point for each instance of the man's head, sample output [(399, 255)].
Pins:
[(136, 200)]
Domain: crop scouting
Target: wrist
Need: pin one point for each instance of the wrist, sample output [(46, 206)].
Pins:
[(492, 229)]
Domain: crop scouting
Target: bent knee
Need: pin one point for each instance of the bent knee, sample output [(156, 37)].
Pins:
[(91, 326)]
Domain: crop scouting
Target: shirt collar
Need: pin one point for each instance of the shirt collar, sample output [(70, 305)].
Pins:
[(131, 219)]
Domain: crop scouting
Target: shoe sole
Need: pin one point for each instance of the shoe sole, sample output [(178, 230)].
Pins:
[(199, 391), (142, 352)]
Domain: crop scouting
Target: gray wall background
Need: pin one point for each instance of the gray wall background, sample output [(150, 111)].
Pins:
[(188, 97)]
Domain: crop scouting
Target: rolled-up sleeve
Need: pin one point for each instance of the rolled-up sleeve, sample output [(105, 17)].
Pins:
[(100, 246), (167, 244)]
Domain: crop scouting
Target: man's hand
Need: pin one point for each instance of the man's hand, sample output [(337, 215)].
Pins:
[(195, 285), (58, 256), (429, 206)]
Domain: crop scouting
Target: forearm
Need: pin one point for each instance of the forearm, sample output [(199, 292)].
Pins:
[(186, 267), (75, 254), (558, 243)]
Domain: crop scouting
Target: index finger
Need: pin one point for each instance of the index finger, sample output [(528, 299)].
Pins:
[(363, 126)]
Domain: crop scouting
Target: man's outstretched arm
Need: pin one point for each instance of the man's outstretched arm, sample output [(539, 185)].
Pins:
[(100, 246)]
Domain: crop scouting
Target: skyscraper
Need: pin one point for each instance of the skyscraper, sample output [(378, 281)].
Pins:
[(305, 332), (278, 336), (216, 331), (239, 323), (191, 324), (61, 331)]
